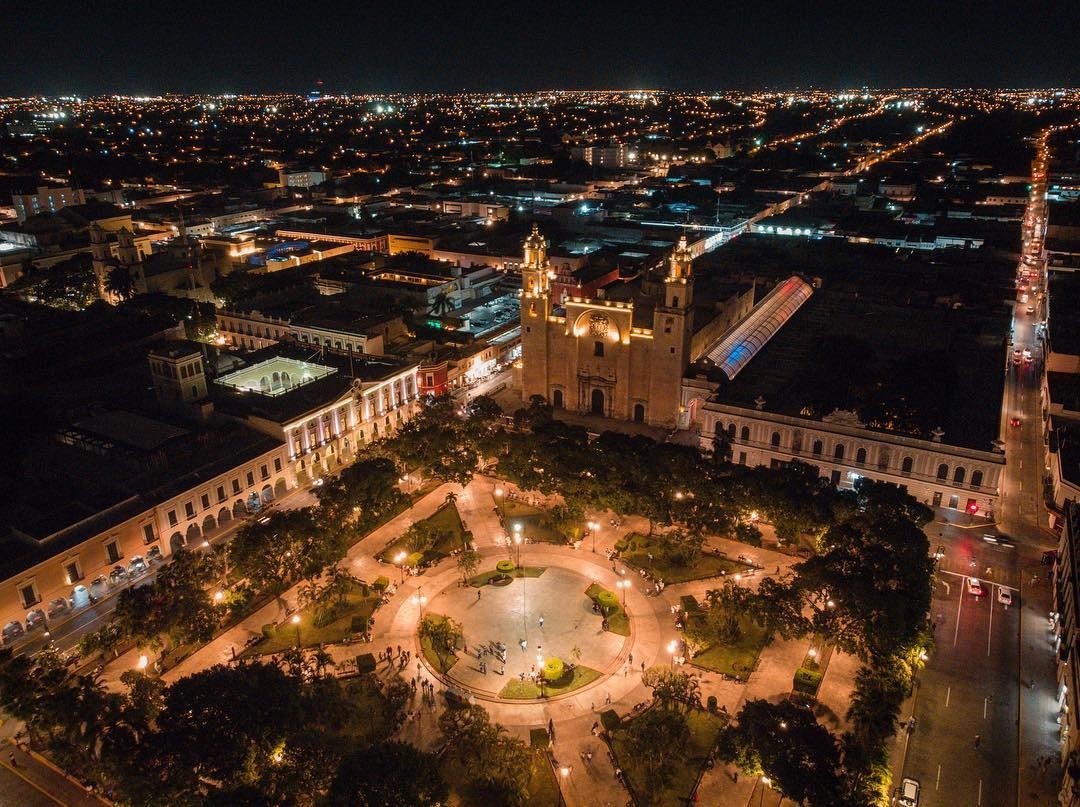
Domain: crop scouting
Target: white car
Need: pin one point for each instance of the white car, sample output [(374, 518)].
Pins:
[(974, 587), (1005, 596), (909, 793)]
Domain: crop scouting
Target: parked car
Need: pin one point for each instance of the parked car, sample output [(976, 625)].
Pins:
[(117, 575), (1005, 596), (137, 566), (1014, 421), (99, 587), (909, 793), (58, 607), (974, 587), (35, 619), (154, 555), (12, 631)]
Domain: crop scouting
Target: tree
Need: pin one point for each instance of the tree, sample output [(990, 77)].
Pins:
[(786, 743), (362, 493), (176, 605), (120, 283), (673, 686), (468, 561), (657, 738), (388, 774), (442, 633), (291, 545)]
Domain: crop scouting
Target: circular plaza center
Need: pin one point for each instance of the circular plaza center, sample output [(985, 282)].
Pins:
[(511, 629)]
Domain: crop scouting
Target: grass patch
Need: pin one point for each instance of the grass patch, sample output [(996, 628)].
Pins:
[(706, 565), (355, 607), (538, 524), (738, 658), (617, 620), (429, 652), (543, 787), (808, 677), (485, 578), (684, 771), (527, 690), (369, 722), (447, 525)]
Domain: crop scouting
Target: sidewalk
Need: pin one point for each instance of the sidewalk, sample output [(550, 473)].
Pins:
[(1037, 782), (47, 784)]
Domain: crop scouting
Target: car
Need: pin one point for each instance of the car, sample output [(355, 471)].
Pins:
[(1005, 596), (1027, 355), (12, 631), (1049, 557), (974, 587), (99, 587), (318, 482), (35, 619), (154, 555), (1016, 354), (990, 538), (1014, 421), (57, 607), (137, 566), (909, 793), (117, 575), (939, 553), (1031, 309)]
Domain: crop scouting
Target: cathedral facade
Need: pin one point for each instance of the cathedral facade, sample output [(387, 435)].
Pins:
[(619, 358)]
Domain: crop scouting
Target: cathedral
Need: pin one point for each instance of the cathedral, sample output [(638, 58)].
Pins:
[(622, 354)]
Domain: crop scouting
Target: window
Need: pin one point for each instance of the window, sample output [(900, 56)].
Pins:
[(29, 594), (149, 535), (817, 448), (838, 452), (221, 493), (277, 464), (235, 486), (250, 479), (112, 551), (954, 502), (72, 570), (674, 302), (264, 472), (731, 432), (172, 518), (775, 440), (744, 435), (742, 458), (189, 509), (958, 476), (834, 477), (976, 479), (205, 499), (906, 465), (667, 324), (598, 349), (860, 457), (943, 471)]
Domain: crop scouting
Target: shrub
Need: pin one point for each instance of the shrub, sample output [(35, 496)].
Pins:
[(381, 583), (621, 545), (325, 613), (365, 663), (359, 624), (711, 703), (554, 669), (415, 559), (505, 566), (689, 603), (807, 681), (608, 601), (748, 534), (267, 631)]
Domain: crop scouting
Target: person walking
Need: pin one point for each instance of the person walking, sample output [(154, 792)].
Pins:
[(541, 621), (478, 593), (978, 739)]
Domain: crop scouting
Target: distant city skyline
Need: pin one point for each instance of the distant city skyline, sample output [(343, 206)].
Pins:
[(249, 47)]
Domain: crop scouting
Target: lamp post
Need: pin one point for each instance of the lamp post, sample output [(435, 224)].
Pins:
[(296, 624), (624, 585), (399, 559), (671, 648), (499, 502), (594, 526), (420, 602), (517, 541)]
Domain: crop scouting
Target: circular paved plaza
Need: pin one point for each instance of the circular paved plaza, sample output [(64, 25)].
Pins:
[(511, 614)]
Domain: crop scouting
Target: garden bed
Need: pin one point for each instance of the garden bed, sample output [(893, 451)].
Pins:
[(808, 678), (430, 655), (452, 536), (516, 689), (617, 620), (683, 774), (356, 608), (543, 786), (736, 659), (491, 577), (537, 523), (707, 564)]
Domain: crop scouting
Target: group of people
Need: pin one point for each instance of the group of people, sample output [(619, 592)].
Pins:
[(402, 657)]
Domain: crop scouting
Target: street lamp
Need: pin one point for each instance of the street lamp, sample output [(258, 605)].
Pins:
[(671, 648), (624, 585), (420, 602), (296, 622), (499, 502), (593, 526), (517, 541), (399, 559)]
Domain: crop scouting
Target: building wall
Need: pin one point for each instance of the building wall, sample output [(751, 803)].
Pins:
[(46, 200), (398, 242), (763, 438)]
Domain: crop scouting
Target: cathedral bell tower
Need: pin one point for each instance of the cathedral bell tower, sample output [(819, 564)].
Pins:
[(536, 277), (679, 284), (672, 328)]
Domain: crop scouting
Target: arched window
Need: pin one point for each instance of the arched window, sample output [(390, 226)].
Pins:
[(958, 476), (860, 457), (976, 479), (906, 465), (731, 431), (639, 413), (838, 452), (556, 398), (775, 441), (744, 435), (817, 448), (943, 471)]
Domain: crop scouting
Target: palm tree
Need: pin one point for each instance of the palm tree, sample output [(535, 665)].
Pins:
[(441, 304), (451, 498), (321, 659), (120, 283)]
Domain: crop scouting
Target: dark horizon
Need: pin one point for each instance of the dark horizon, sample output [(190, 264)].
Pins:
[(154, 48)]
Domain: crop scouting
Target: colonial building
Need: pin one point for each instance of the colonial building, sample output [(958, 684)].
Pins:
[(621, 354)]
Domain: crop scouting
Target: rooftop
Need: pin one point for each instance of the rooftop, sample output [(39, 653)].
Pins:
[(275, 376)]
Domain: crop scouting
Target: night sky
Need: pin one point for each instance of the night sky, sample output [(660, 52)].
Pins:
[(242, 46)]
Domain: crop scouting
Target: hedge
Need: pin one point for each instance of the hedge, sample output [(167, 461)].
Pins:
[(808, 681), (609, 719), (365, 663), (607, 600), (382, 582), (505, 566), (554, 669)]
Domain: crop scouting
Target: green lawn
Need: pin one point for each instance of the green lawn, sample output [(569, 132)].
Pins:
[(447, 521), (707, 565), (537, 523), (738, 659), (525, 690), (312, 635), (430, 654), (484, 578), (368, 724), (543, 787), (618, 621), (684, 773)]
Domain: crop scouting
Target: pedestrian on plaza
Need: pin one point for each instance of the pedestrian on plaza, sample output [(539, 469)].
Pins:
[(643, 668), (978, 739), (551, 730), (11, 758), (483, 668), (389, 651), (478, 593), (607, 698), (541, 621), (399, 650), (630, 659), (595, 728)]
